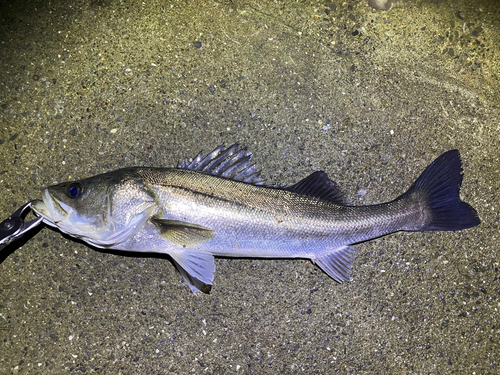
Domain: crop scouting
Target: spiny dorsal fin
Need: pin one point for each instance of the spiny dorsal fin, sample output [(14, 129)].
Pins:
[(231, 163), (319, 185)]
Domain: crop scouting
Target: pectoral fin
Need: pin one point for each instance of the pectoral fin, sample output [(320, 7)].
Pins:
[(338, 263), (182, 233), (196, 268)]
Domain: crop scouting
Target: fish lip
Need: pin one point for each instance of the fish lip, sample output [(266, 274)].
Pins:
[(49, 208), (40, 205)]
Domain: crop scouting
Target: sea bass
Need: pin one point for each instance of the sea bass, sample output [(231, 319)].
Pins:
[(219, 205)]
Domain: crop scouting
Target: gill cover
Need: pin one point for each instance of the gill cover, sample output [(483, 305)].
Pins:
[(103, 210)]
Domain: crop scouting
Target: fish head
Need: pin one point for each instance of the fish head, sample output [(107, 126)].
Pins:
[(103, 210)]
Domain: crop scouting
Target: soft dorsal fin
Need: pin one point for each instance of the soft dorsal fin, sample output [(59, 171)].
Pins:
[(319, 185), (232, 163)]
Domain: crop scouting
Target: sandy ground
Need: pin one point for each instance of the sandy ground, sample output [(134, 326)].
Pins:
[(369, 96)]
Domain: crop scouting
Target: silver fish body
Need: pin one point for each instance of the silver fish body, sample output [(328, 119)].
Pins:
[(219, 206)]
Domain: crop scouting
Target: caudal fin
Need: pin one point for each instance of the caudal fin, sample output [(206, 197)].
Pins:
[(441, 182)]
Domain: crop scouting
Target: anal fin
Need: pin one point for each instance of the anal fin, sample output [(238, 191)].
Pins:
[(337, 264)]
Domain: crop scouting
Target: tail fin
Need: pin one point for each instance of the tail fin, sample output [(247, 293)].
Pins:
[(441, 182)]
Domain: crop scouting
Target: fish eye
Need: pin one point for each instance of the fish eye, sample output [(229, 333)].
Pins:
[(74, 190)]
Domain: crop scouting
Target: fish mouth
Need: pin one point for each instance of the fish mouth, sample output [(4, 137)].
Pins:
[(50, 209)]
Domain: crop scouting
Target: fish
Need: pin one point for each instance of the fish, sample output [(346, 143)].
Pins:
[(219, 205)]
